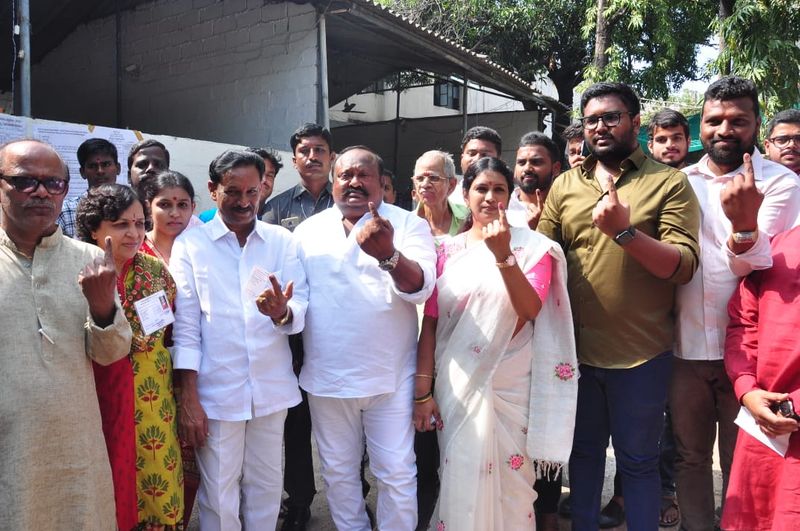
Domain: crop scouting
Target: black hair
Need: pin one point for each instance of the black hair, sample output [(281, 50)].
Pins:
[(146, 143), (378, 159), (233, 158), (731, 88), (620, 90), (488, 164), (667, 118), (483, 133), (310, 129), (269, 154), (96, 146), (104, 203), (535, 138), (150, 188), (787, 116), (572, 131)]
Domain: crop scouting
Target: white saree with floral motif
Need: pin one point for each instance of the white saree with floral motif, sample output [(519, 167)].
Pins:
[(507, 401)]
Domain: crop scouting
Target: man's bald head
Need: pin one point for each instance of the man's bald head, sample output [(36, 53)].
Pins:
[(30, 147)]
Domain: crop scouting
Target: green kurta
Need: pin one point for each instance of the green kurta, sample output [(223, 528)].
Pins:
[(54, 471)]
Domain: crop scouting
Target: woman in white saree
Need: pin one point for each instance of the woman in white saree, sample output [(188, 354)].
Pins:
[(505, 391)]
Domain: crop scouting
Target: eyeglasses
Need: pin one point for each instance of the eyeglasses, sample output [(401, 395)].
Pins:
[(94, 166), (26, 184), (433, 179), (611, 119), (784, 140)]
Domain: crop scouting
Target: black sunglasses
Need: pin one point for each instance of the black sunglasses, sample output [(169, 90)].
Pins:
[(27, 185)]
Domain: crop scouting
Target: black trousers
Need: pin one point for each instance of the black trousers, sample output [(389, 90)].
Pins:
[(426, 446), (298, 473)]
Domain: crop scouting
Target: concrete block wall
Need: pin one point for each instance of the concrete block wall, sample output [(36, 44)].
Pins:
[(238, 71)]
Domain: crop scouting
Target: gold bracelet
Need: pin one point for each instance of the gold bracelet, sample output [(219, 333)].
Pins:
[(424, 376), (424, 398)]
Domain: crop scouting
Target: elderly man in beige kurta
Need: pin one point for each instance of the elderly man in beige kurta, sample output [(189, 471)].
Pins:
[(54, 471)]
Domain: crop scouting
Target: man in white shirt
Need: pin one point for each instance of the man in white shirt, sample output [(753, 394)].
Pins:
[(369, 264), (537, 163), (241, 292), (745, 200)]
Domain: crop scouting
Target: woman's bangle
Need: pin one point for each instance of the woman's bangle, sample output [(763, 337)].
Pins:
[(418, 375), (424, 398)]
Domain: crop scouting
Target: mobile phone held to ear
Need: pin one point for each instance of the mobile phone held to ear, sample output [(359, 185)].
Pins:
[(584, 149)]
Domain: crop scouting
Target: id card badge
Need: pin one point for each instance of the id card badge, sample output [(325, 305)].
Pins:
[(154, 312), (257, 283), (291, 223)]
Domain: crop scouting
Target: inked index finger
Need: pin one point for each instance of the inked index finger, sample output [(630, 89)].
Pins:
[(749, 174), (276, 287), (501, 214), (612, 190), (109, 252), (373, 210)]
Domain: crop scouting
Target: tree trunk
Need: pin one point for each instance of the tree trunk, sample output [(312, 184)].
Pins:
[(725, 10), (601, 38)]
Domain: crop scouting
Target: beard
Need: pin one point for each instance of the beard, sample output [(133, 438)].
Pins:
[(530, 183), (728, 156), (617, 151)]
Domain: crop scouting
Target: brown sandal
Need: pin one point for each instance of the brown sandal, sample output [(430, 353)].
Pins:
[(670, 512)]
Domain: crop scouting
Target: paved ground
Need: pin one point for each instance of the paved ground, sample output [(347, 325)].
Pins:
[(321, 519)]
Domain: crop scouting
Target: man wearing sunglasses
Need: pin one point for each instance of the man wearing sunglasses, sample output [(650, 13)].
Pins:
[(60, 313), (628, 226), (783, 139), (98, 162)]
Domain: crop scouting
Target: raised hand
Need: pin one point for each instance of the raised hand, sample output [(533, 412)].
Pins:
[(758, 403), (376, 238), (98, 280), (535, 210), (741, 199), (273, 302), (497, 235), (611, 215)]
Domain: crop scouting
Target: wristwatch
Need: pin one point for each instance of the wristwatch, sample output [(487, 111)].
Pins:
[(625, 236), (285, 319), (508, 261), (749, 236), (391, 262)]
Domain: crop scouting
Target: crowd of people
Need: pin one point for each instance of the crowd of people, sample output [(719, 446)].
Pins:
[(470, 351)]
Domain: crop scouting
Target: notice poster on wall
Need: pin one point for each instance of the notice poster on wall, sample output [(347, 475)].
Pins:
[(11, 127), (65, 137)]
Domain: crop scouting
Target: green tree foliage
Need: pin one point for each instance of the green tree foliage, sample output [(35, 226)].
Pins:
[(650, 44), (531, 38), (760, 40)]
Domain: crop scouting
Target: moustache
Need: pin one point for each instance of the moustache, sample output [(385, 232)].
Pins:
[(38, 203), (355, 191)]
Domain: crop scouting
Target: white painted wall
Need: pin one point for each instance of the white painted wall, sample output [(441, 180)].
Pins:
[(417, 102)]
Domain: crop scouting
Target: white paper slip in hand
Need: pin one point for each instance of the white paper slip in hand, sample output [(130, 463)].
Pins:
[(746, 421), (154, 312), (257, 283)]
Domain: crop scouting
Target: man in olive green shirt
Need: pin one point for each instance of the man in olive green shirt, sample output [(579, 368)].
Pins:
[(628, 226)]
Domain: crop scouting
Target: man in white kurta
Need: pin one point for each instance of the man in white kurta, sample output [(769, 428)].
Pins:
[(368, 265), (241, 292), (54, 471)]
